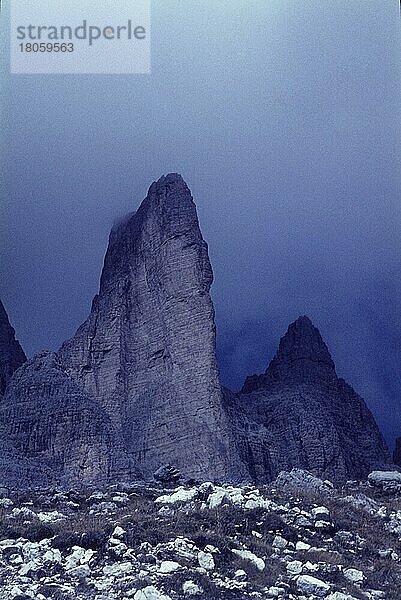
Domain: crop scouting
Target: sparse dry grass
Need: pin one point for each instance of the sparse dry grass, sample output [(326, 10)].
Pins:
[(228, 527)]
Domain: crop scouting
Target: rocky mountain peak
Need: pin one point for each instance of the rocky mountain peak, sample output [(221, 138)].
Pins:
[(170, 182), (11, 354), (135, 393), (165, 224), (302, 355), (147, 350), (299, 413)]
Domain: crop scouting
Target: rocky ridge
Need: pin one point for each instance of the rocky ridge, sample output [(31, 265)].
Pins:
[(137, 386), (299, 413)]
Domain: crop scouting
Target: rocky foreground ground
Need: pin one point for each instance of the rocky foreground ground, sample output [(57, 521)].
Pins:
[(298, 538)]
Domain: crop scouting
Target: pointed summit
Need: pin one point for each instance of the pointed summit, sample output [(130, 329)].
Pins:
[(147, 350), (171, 181), (300, 414), (11, 354), (164, 225), (302, 355)]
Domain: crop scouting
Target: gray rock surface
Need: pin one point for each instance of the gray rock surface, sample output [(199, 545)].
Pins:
[(147, 351), (297, 479), (386, 480), (51, 431), (300, 414), (11, 354)]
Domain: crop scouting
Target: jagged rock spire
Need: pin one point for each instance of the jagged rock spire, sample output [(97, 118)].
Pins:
[(302, 355), (147, 350), (11, 354), (300, 414)]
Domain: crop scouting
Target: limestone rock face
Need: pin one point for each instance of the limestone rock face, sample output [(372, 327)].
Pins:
[(300, 414), (147, 351), (53, 431), (11, 354), (397, 452)]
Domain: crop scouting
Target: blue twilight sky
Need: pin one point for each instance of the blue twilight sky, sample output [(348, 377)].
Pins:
[(284, 118)]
